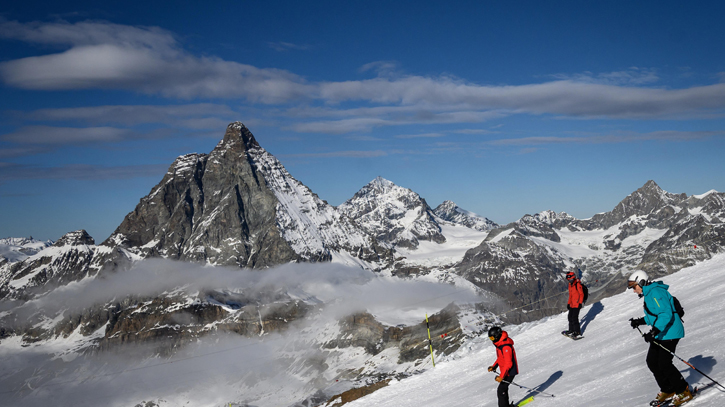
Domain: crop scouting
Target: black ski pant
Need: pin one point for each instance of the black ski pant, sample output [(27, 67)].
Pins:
[(503, 391), (574, 326), (659, 362)]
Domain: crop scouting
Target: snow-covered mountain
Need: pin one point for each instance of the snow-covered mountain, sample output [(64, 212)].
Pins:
[(393, 214), (14, 249), (71, 258), (650, 229), (451, 212), (239, 206)]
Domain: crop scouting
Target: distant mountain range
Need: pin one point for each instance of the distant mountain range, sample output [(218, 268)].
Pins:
[(239, 207)]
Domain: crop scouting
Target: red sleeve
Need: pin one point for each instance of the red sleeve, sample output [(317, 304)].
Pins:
[(506, 361)]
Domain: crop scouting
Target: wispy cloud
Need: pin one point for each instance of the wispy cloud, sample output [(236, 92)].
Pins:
[(422, 135), (633, 76), (473, 131), (382, 68), (10, 172), (49, 135), (195, 116), (610, 138), (351, 154), (282, 46)]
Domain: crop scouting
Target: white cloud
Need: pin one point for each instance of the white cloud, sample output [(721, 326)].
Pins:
[(282, 46), (421, 135), (610, 138), (196, 116), (349, 153), (150, 60), (633, 76), (66, 135), (13, 171), (103, 55)]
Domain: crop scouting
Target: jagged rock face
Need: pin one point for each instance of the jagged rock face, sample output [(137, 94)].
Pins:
[(393, 214), (683, 245), (645, 201), (363, 330), (451, 212), (516, 269), (239, 206), (542, 224)]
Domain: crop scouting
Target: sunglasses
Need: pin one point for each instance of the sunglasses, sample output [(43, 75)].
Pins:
[(631, 284)]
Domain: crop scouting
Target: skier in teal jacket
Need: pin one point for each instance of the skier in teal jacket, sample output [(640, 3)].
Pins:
[(667, 330), (659, 312)]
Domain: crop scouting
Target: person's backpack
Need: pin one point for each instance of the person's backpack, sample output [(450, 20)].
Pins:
[(678, 307), (585, 290), (676, 304)]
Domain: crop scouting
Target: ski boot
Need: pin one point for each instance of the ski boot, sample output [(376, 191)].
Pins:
[(682, 398), (661, 399)]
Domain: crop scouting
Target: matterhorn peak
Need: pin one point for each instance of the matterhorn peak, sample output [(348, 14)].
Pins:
[(238, 134)]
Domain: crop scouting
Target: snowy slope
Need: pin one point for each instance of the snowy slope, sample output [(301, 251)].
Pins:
[(459, 239), (20, 248), (606, 368)]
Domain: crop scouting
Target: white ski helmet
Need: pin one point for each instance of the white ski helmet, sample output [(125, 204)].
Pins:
[(639, 277)]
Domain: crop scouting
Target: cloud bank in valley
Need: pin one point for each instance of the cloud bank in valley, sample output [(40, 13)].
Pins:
[(218, 368)]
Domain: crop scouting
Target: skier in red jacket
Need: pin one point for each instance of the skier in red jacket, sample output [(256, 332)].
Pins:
[(576, 299), (506, 361)]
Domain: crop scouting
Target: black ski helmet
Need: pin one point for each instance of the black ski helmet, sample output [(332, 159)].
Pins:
[(494, 333)]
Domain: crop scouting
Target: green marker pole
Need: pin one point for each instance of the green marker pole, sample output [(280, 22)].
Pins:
[(430, 343)]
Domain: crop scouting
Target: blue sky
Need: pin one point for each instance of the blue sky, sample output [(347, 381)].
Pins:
[(506, 108)]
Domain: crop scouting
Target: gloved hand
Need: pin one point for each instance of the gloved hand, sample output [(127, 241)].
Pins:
[(635, 322), (491, 368), (649, 336), (499, 378), (568, 307)]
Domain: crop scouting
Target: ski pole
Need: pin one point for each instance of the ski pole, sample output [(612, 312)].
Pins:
[(524, 387), (683, 360)]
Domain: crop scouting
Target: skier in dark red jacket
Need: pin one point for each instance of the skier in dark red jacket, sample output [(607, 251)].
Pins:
[(505, 361), (574, 305)]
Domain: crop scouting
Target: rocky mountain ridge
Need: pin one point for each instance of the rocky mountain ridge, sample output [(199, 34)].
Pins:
[(650, 229), (449, 211)]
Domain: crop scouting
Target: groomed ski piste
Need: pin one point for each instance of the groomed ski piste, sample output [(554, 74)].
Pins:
[(606, 368)]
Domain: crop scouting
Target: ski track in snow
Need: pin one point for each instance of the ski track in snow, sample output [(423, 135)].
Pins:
[(606, 368)]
